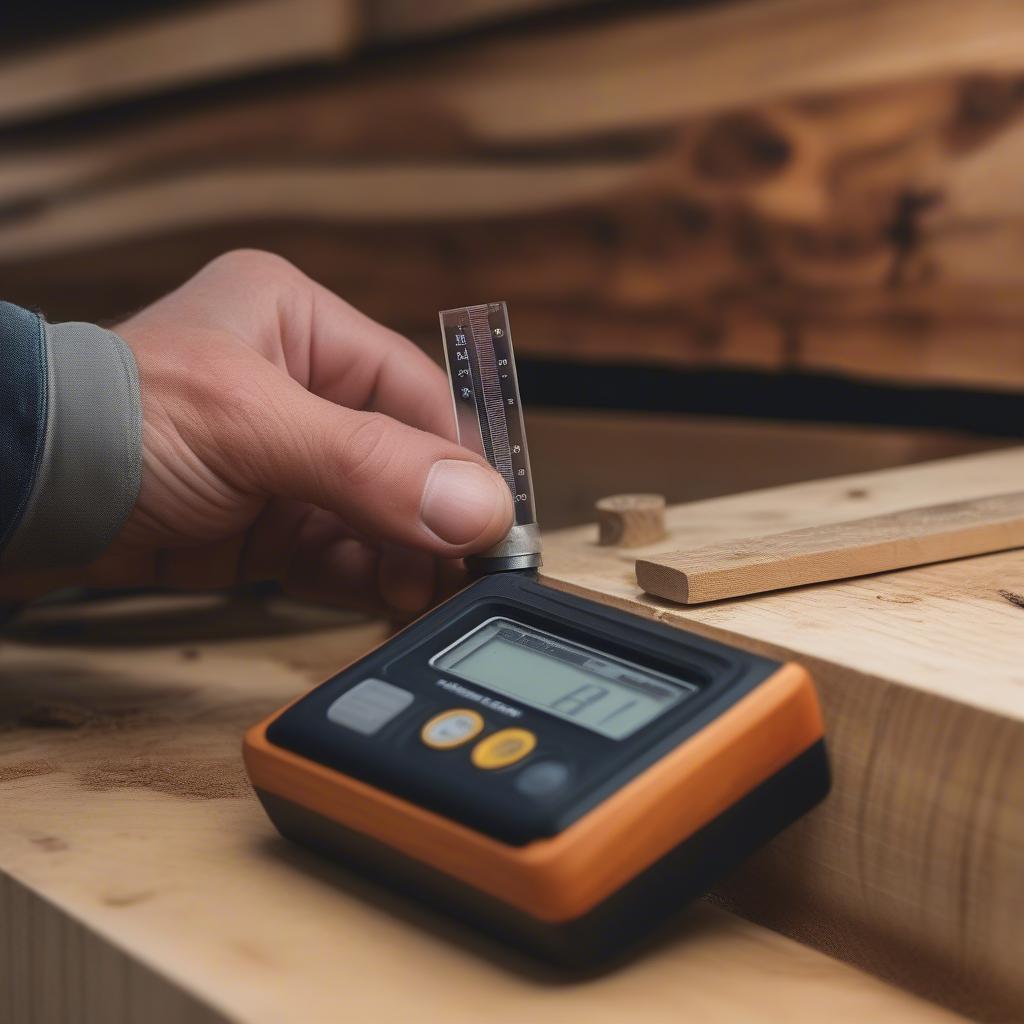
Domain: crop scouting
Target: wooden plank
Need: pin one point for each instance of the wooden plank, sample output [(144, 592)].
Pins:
[(380, 194), (913, 861), (811, 212), (390, 20), (207, 41), (135, 852), (223, 39), (836, 551), (471, 98), (660, 66)]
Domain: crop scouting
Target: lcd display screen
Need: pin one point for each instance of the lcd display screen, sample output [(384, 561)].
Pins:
[(597, 691)]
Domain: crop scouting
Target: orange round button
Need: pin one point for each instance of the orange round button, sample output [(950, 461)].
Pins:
[(503, 748), (451, 728)]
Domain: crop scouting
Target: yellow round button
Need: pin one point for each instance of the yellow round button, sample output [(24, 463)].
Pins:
[(503, 748), (451, 728)]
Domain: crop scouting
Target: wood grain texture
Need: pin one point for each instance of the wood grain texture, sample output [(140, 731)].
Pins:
[(219, 40), (847, 206), (401, 20), (895, 540), (57, 970), (911, 868), (150, 883), (175, 49)]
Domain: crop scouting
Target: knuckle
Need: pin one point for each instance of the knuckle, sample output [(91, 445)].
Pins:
[(369, 449), (253, 263)]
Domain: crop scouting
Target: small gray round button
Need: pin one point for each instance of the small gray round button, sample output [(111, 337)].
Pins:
[(542, 778)]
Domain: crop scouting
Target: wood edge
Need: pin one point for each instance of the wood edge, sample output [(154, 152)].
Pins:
[(664, 581)]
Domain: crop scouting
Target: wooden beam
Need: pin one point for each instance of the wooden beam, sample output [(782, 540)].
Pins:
[(401, 20), (645, 70), (838, 231), (374, 194), (220, 40), (171, 50), (839, 208), (913, 860)]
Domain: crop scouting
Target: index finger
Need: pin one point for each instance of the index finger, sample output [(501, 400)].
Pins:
[(357, 362), (318, 339)]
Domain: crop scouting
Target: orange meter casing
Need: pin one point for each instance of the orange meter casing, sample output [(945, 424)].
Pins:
[(458, 764)]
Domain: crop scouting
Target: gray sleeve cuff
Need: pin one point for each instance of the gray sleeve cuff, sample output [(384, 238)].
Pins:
[(91, 466)]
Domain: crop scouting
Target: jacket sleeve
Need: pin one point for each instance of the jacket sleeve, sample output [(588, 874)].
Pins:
[(70, 440)]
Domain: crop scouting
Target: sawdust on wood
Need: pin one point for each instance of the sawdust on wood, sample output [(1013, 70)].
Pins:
[(169, 739), (193, 779), (25, 770), (57, 716), (50, 844)]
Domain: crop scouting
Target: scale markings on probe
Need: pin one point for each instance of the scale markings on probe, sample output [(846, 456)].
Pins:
[(489, 418)]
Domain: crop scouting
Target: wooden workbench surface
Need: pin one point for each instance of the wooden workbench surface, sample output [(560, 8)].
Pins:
[(140, 881), (915, 860)]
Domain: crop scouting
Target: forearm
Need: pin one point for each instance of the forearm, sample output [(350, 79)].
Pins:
[(70, 441)]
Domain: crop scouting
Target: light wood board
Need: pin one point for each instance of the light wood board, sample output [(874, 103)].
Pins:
[(912, 867), (219, 40), (836, 551), (174, 49), (140, 881)]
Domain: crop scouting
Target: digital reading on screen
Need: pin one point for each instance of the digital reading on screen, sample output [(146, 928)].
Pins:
[(597, 691)]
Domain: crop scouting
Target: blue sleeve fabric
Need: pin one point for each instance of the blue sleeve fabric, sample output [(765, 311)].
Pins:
[(70, 440), (23, 408)]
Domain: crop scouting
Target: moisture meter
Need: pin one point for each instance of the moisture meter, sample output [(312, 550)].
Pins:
[(556, 771)]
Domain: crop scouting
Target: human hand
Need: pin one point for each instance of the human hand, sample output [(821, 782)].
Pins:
[(287, 436)]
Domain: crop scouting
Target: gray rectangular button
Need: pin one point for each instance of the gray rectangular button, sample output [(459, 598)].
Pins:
[(369, 706)]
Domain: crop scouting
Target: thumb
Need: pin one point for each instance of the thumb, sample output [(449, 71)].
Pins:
[(388, 481)]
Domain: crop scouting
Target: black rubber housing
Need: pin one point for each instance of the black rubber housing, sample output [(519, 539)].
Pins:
[(612, 930), (396, 760)]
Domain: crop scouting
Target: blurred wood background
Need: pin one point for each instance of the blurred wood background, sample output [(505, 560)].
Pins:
[(809, 186)]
